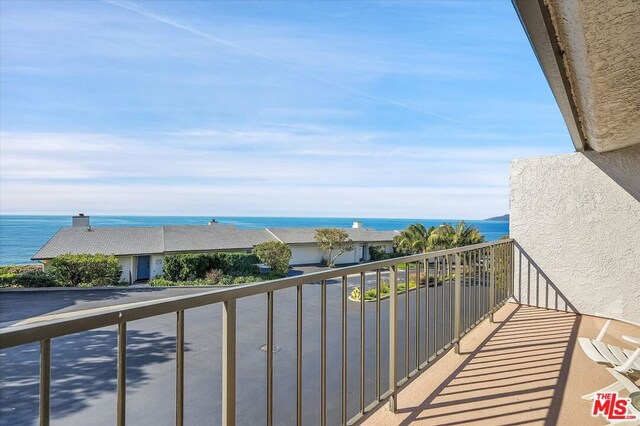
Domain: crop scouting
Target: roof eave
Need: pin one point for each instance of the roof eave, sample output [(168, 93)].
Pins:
[(536, 21)]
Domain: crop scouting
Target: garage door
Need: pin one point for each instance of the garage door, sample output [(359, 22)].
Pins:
[(301, 255)]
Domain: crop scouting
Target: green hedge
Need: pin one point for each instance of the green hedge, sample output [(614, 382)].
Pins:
[(29, 278), (226, 280), (187, 267), (86, 270)]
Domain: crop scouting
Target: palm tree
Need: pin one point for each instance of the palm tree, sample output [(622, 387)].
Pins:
[(465, 235), (447, 236), (414, 239)]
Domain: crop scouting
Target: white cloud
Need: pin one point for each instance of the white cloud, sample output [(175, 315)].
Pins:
[(256, 199), (317, 171)]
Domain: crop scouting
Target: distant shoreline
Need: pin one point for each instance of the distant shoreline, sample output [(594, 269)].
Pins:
[(503, 218)]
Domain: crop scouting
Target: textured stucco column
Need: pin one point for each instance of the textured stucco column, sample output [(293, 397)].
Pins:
[(578, 217)]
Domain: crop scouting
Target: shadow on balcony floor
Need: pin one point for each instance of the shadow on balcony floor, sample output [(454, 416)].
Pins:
[(523, 369)]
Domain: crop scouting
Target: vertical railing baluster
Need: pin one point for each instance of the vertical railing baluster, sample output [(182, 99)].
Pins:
[(464, 289), (323, 354), (121, 375), (229, 363), (269, 416), (442, 301), (417, 297), (436, 266), (482, 282), (362, 342), (451, 296), (458, 296), (180, 368), (528, 283), (537, 288), (406, 319), (299, 355), (393, 338), (344, 350), (472, 289), (546, 289), (378, 335), (520, 276), (492, 281), (45, 382), (427, 308)]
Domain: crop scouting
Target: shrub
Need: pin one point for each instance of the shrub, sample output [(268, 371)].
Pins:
[(87, 269), (214, 276), (19, 269), (7, 279), (184, 267), (275, 254), (376, 253), (228, 280), (238, 263), (162, 282), (35, 278)]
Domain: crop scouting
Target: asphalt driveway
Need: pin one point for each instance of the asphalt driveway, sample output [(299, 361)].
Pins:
[(84, 367)]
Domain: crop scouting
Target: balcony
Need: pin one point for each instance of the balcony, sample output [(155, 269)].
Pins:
[(450, 350), (525, 368)]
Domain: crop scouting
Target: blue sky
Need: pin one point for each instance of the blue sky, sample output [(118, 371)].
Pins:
[(359, 109)]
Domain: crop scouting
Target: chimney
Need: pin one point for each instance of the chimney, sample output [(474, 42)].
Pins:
[(80, 221), (357, 225)]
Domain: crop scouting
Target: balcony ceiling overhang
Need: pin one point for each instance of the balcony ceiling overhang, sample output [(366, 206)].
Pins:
[(589, 51)]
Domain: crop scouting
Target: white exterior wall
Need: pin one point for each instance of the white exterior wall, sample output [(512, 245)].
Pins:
[(302, 254), (580, 222), (126, 264), (157, 265)]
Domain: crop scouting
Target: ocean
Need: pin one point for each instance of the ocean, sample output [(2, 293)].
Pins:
[(22, 236)]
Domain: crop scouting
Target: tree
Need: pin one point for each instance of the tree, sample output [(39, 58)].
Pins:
[(414, 239), (333, 239), (447, 236), (275, 254)]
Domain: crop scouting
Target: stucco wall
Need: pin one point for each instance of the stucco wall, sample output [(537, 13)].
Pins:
[(125, 262), (157, 265), (578, 217)]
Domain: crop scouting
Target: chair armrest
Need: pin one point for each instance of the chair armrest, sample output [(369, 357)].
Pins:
[(632, 339), (627, 366)]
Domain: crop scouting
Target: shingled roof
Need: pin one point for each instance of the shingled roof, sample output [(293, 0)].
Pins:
[(108, 240), (307, 235), (140, 240)]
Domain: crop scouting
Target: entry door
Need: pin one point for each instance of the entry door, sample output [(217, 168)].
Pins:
[(143, 267)]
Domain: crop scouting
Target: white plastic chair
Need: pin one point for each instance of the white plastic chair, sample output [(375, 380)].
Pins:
[(622, 360)]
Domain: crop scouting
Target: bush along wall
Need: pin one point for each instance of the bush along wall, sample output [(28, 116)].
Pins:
[(25, 276), (186, 267), (85, 270)]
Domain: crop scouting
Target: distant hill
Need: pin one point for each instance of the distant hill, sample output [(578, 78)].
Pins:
[(503, 218)]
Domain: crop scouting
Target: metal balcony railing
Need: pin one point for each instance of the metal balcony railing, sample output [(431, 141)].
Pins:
[(454, 291)]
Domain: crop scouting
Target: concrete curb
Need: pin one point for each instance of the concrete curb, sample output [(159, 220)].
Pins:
[(119, 288)]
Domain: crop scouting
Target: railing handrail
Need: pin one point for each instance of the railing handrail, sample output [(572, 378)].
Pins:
[(29, 333)]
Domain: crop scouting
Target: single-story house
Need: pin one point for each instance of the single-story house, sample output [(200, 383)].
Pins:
[(141, 249)]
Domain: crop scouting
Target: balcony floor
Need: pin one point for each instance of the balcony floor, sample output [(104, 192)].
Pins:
[(526, 368)]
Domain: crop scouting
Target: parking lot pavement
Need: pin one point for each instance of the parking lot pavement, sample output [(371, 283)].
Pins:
[(22, 305), (84, 364)]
